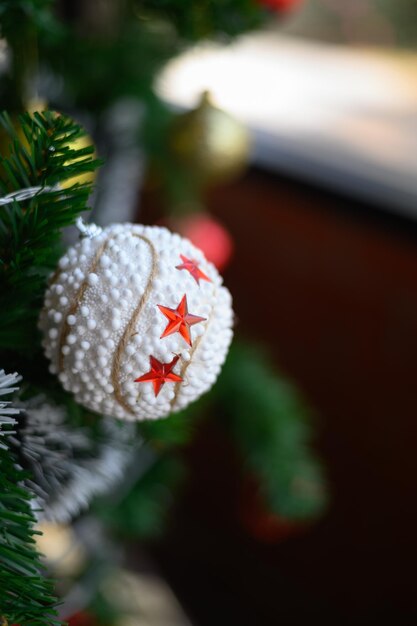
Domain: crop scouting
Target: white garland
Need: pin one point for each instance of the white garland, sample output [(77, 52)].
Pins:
[(70, 465), (7, 386)]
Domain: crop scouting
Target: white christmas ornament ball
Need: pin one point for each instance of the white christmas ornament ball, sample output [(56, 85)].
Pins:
[(136, 322)]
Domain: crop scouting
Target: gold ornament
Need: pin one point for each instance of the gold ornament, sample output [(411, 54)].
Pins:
[(211, 143), (5, 140), (61, 549), (88, 177), (77, 144), (37, 104)]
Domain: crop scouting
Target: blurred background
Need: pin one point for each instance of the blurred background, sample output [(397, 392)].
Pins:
[(280, 136)]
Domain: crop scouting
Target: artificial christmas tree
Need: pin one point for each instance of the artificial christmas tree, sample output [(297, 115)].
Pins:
[(135, 321)]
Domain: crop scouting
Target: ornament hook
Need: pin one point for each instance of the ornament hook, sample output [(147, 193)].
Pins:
[(87, 230)]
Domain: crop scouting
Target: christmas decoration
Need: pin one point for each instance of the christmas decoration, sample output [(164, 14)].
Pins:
[(136, 323), (276, 446), (192, 267), (79, 144), (180, 320), (105, 315), (281, 5), (259, 521), (69, 465), (207, 234), (83, 618), (61, 549), (210, 143), (32, 106), (160, 373)]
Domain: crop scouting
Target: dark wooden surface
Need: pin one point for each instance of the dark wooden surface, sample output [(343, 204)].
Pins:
[(334, 284)]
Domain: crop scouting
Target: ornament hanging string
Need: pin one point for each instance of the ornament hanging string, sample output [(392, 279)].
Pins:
[(26, 194), (86, 230)]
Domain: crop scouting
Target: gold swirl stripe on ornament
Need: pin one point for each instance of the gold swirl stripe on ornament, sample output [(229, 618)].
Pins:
[(77, 301), (185, 365), (183, 370), (130, 329), (3, 621), (51, 280)]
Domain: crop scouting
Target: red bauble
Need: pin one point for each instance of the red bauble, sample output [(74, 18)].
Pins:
[(82, 619), (207, 234), (281, 6), (259, 521)]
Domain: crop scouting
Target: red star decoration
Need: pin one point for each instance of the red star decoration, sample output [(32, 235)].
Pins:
[(160, 373), (192, 267), (180, 320)]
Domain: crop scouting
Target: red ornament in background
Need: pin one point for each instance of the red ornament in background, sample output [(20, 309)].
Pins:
[(259, 521), (280, 5), (82, 619), (207, 234), (160, 373)]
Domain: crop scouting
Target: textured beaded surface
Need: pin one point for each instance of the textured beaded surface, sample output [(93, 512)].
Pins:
[(101, 321)]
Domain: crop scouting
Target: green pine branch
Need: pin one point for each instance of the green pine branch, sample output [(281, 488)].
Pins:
[(26, 597), (200, 20), (271, 425), (13, 12), (22, 22), (41, 153)]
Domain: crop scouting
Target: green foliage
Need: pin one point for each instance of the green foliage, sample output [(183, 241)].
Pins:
[(21, 22), (115, 54), (25, 596), (41, 153), (101, 606), (175, 430), (271, 425), (261, 411), (98, 68), (205, 18), (120, 51), (401, 16), (143, 511), (12, 12)]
